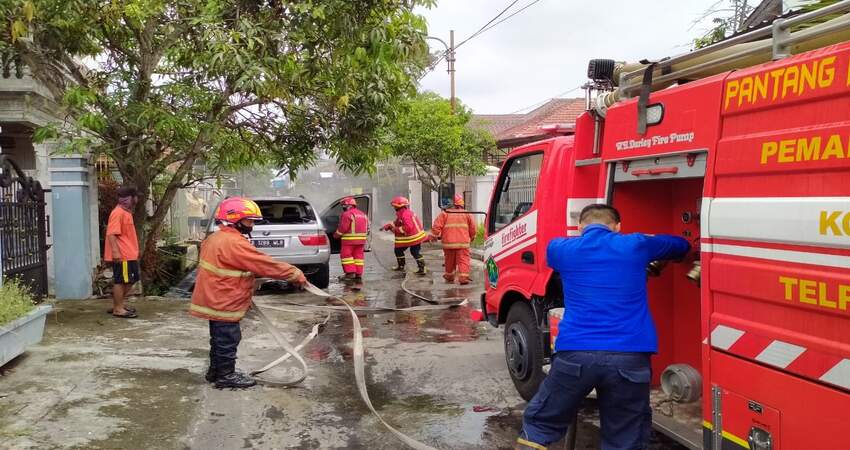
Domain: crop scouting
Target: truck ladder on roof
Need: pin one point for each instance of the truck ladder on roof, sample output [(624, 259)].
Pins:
[(743, 50)]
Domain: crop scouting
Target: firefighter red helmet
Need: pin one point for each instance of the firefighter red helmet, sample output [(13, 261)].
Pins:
[(459, 200), (234, 209), (348, 201), (399, 202)]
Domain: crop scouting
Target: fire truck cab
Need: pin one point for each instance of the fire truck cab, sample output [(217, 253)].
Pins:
[(752, 167)]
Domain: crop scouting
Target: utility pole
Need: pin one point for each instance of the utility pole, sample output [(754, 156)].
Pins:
[(451, 61)]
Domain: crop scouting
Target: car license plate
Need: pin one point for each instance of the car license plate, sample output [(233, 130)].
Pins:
[(269, 243)]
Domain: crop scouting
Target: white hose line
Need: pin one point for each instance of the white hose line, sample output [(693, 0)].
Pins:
[(368, 309), (287, 355), (286, 346), (360, 370)]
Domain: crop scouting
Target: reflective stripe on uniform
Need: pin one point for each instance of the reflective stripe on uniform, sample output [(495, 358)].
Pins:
[(457, 225), (125, 267), (354, 236), (358, 262), (530, 444), (223, 272), (408, 239), (456, 245), (216, 313)]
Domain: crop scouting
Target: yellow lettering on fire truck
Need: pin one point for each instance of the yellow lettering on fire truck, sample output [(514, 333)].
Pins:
[(781, 83), (836, 223), (814, 292), (815, 148)]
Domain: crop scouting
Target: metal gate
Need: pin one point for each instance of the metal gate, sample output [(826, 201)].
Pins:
[(23, 229)]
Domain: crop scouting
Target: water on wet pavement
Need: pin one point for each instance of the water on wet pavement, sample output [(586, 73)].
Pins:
[(99, 382)]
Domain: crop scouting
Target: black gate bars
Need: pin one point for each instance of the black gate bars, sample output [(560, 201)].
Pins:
[(23, 228)]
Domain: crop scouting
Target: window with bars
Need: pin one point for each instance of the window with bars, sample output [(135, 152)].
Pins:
[(516, 190)]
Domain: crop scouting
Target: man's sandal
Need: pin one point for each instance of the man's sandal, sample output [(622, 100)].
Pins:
[(128, 315), (128, 308)]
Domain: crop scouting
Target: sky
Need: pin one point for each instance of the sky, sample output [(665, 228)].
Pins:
[(542, 52)]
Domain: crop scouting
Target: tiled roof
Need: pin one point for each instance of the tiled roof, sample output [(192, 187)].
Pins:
[(511, 126), (496, 123)]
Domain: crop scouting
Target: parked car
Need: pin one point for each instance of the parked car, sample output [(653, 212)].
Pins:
[(292, 231)]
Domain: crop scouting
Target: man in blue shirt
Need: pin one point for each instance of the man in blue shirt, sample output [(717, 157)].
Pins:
[(606, 336)]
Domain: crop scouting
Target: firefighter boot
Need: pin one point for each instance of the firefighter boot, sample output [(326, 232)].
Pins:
[(400, 262), (347, 278), (235, 380), (212, 374), (421, 263)]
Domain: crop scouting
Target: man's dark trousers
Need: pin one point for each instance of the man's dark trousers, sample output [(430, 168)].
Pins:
[(621, 381), (224, 340)]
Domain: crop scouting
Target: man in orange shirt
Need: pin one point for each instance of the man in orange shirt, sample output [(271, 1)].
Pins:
[(122, 250), (457, 229), (225, 286)]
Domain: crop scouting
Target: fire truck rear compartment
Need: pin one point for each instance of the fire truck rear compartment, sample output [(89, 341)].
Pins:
[(670, 206)]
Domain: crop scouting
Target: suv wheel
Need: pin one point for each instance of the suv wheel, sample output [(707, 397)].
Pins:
[(322, 278), (524, 350)]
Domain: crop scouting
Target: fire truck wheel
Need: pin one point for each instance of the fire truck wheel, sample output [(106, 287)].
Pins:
[(524, 350)]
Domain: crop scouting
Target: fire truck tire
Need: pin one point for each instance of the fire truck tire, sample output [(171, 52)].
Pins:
[(524, 350)]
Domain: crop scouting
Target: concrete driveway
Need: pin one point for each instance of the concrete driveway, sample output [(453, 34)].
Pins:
[(97, 382)]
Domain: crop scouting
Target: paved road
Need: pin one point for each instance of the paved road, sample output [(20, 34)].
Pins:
[(99, 382)]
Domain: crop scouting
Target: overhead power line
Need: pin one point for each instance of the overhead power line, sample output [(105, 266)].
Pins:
[(480, 30), (487, 28), (540, 103)]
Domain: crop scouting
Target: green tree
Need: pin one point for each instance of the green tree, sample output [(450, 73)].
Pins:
[(160, 84), (438, 142), (727, 17)]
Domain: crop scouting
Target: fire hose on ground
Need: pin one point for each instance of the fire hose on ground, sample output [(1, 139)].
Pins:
[(358, 347), (357, 344)]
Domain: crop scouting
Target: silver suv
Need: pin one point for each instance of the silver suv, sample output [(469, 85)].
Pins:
[(292, 232)]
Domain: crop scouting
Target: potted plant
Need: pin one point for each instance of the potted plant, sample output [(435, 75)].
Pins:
[(21, 320)]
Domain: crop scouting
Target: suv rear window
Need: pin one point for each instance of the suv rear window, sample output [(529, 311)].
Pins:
[(286, 212)]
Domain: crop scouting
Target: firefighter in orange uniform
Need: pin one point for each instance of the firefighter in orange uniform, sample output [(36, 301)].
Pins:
[(353, 232), (225, 286), (457, 229), (408, 234)]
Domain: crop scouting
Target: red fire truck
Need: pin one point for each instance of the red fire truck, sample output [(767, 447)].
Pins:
[(747, 155)]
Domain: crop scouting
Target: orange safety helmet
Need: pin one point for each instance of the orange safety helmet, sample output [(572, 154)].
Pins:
[(459, 200), (234, 209), (399, 202), (348, 201)]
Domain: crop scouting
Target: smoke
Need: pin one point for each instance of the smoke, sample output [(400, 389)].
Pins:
[(326, 182)]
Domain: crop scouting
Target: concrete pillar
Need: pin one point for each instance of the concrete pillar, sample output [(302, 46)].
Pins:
[(72, 226), (414, 194)]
